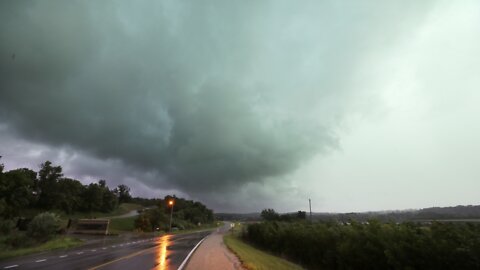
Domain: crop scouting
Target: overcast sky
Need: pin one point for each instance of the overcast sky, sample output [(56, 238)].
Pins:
[(244, 105)]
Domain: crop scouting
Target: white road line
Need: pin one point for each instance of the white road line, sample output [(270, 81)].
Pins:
[(63, 256), (79, 253), (114, 246), (42, 260), (104, 248), (10, 266), (184, 263), (93, 250)]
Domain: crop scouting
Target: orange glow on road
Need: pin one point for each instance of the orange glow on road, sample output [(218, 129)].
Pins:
[(162, 253)]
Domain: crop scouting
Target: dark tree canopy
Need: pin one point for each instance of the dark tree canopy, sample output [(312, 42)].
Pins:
[(123, 193)]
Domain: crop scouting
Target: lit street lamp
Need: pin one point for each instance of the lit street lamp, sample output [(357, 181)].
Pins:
[(170, 203)]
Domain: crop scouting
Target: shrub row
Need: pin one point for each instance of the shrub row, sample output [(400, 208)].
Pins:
[(372, 245)]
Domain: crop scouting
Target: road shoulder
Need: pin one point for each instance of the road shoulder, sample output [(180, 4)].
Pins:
[(212, 254)]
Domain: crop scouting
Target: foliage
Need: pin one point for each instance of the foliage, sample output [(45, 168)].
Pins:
[(270, 215), (18, 239), (24, 192), (44, 226), (99, 198), (371, 245), (16, 191), (187, 214), (48, 178), (23, 189), (142, 223), (123, 193), (6, 226)]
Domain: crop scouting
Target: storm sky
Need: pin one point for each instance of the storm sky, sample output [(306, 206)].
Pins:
[(244, 105)]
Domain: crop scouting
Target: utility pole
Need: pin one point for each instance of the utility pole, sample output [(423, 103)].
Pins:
[(310, 203)]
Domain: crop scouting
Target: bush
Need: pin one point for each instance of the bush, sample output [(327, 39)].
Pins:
[(6, 226), (44, 226), (371, 245), (18, 240), (142, 223)]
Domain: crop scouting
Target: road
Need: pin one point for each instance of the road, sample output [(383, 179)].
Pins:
[(162, 253)]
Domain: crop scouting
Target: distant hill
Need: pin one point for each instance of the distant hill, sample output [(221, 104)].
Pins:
[(459, 211), (239, 217), (431, 213)]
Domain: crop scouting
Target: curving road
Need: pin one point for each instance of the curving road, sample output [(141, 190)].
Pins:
[(164, 252)]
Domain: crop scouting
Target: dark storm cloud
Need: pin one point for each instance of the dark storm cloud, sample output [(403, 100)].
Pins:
[(204, 95)]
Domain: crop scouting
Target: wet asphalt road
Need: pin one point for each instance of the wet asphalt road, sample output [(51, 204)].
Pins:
[(164, 252)]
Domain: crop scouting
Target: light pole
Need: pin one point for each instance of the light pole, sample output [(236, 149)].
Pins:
[(170, 203)]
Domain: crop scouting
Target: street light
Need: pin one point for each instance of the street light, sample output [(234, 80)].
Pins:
[(170, 203)]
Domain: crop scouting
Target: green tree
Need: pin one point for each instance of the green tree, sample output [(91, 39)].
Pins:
[(93, 197), (16, 191), (70, 195), (123, 193), (109, 200), (269, 214), (48, 178)]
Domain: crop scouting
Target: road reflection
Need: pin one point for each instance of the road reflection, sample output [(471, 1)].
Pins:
[(162, 252)]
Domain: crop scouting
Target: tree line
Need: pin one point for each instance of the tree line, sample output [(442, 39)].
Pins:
[(186, 214), (370, 245), (23, 189)]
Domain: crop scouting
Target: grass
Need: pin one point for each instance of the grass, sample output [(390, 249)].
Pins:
[(253, 258), (122, 224), (56, 243)]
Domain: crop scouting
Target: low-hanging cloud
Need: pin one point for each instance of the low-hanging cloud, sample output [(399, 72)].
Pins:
[(206, 95)]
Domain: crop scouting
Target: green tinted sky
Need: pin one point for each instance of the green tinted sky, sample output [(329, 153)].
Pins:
[(251, 104)]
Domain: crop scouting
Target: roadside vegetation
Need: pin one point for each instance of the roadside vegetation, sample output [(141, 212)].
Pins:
[(38, 208), (369, 245), (119, 225), (41, 235), (61, 242), (187, 215), (253, 258)]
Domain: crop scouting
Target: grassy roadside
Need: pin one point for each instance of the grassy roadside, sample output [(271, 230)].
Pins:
[(118, 225), (56, 243), (253, 258)]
